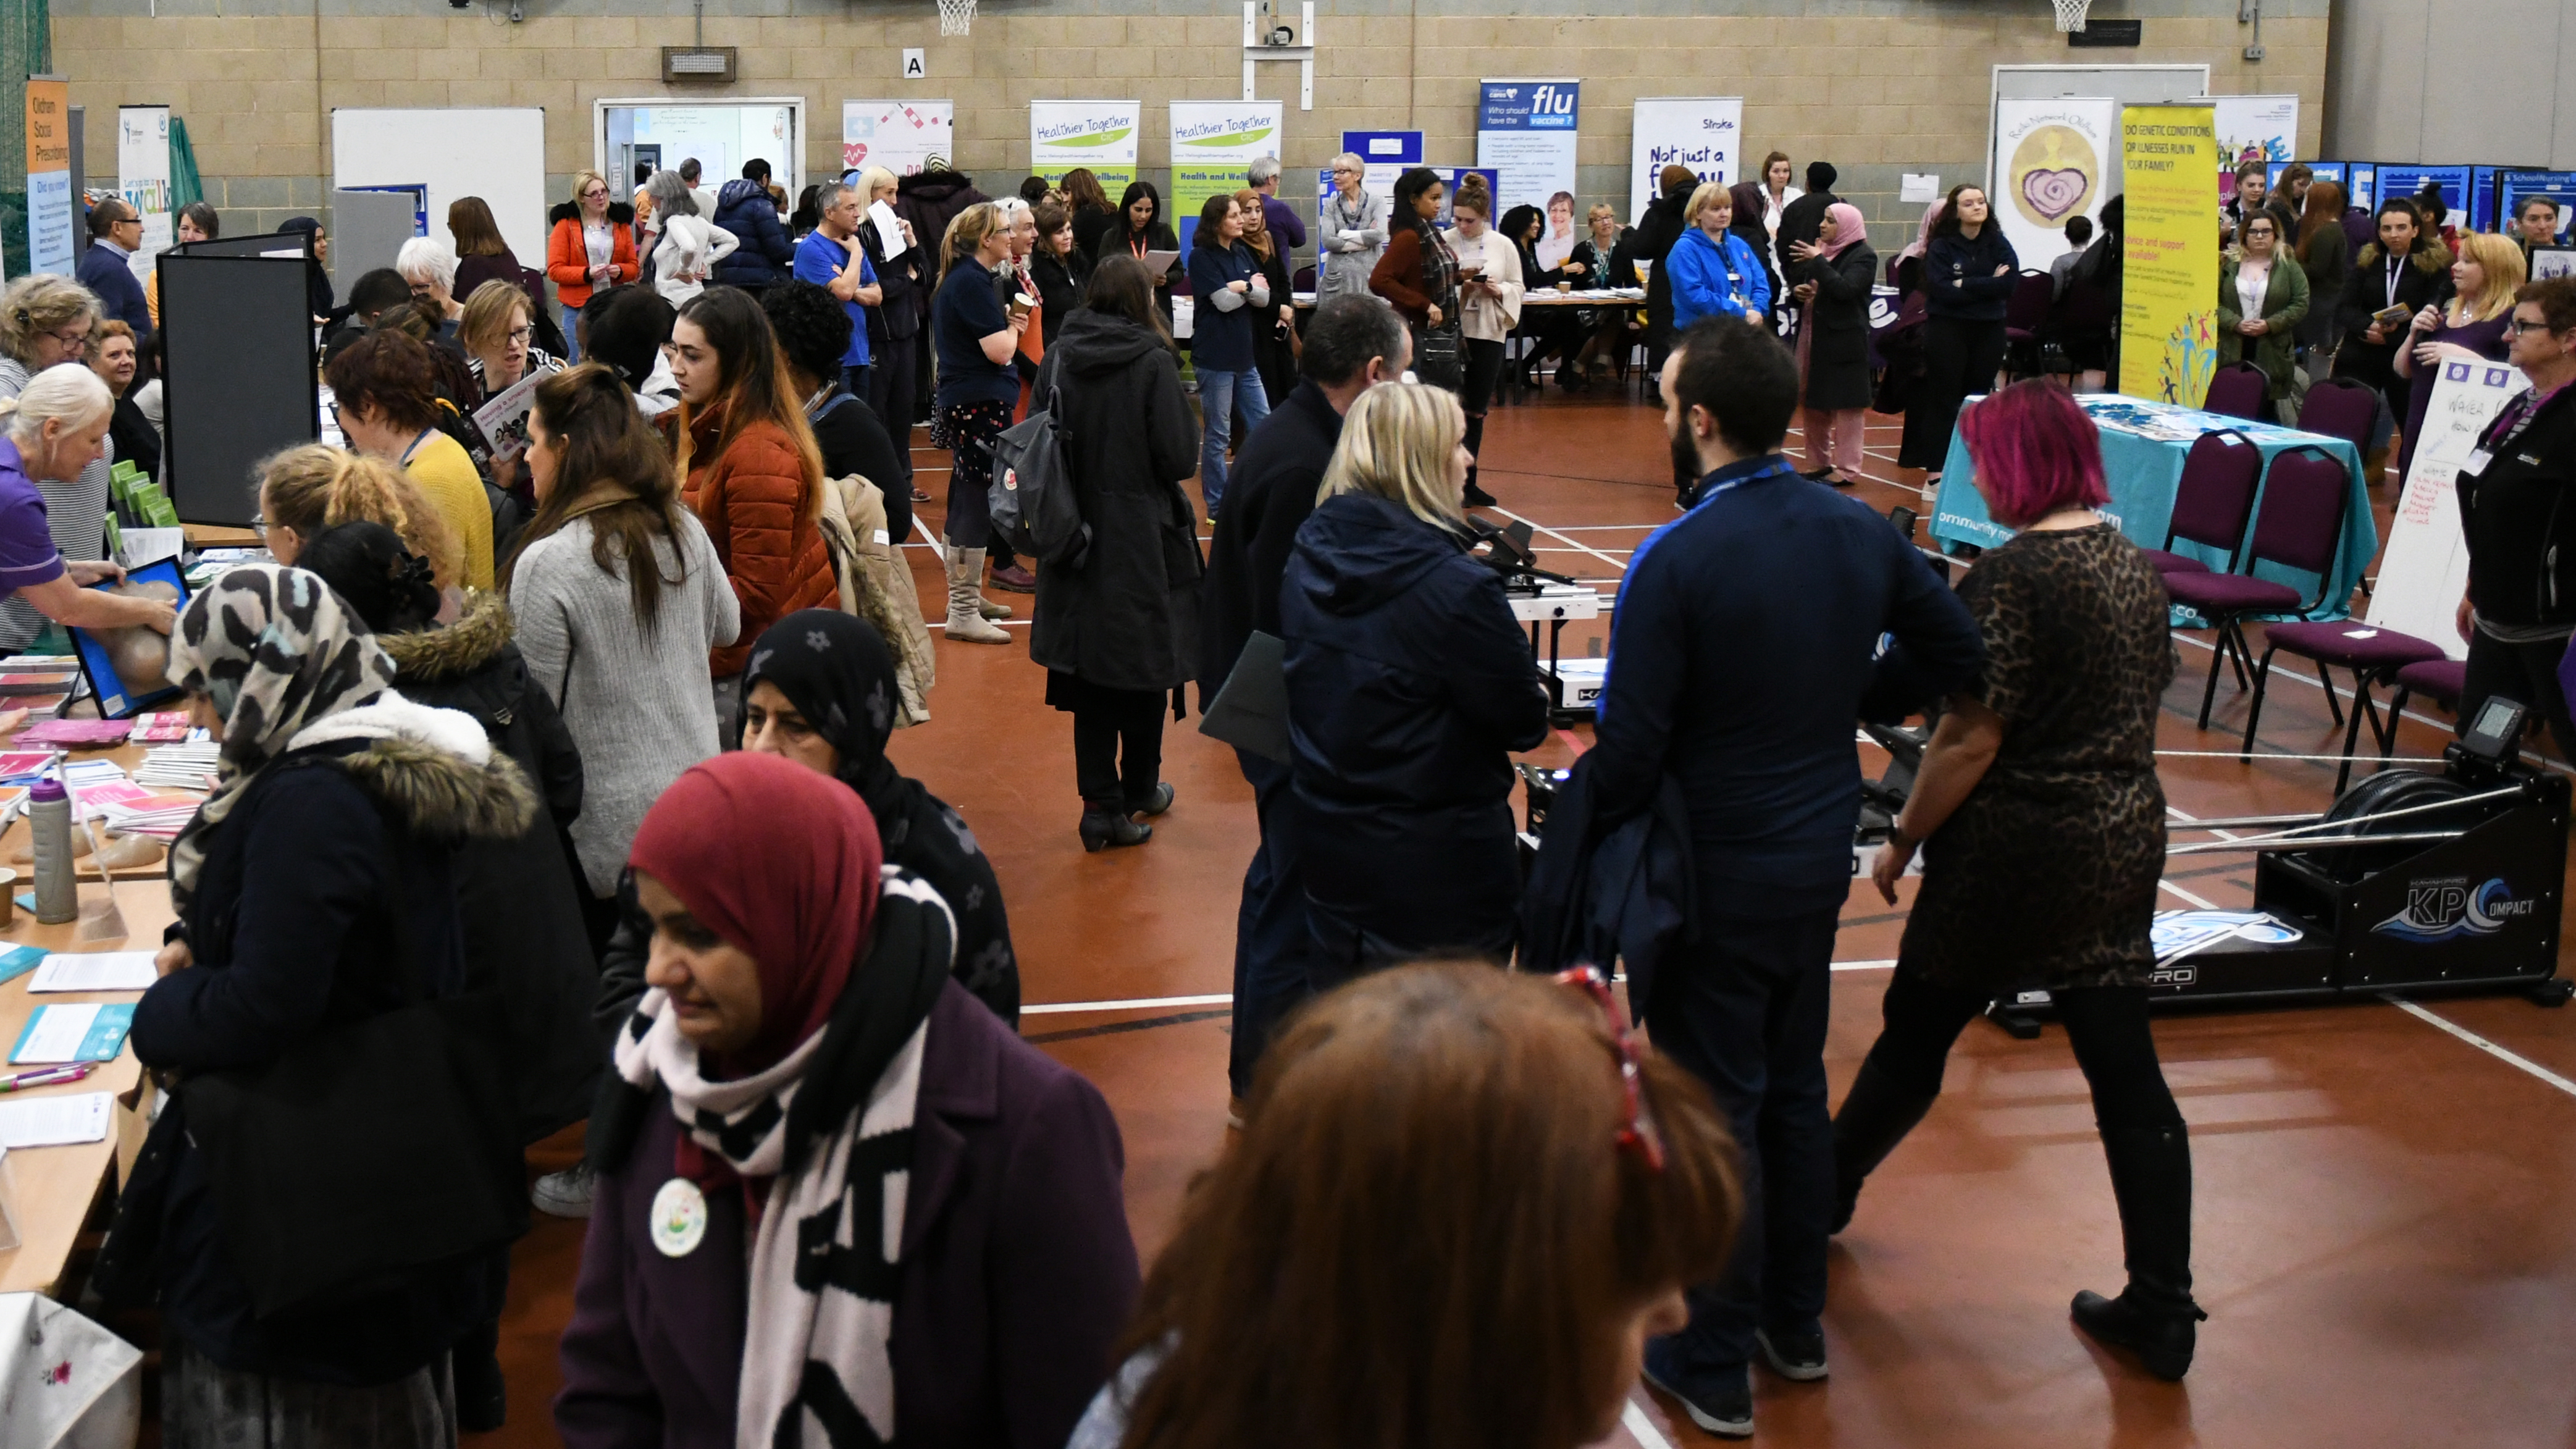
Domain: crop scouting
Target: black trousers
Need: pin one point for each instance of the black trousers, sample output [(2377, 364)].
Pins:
[(1959, 358), (1118, 745), (2107, 1026), (893, 378), (1271, 940), (1484, 369), (2524, 672)]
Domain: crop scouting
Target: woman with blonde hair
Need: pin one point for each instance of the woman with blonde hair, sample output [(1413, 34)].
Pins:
[(975, 336), (2471, 326), (54, 428), (1410, 1293), (894, 328), (1409, 685), (45, 321), (496, 332), (307, 489), (591, 247)]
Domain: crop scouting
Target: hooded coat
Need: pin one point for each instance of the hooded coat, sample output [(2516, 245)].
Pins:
[(1716, 276), (2425, 281), (765, 523), (523, 931), (1651, 241), (328, 852), (931, 200), (568, 255), (744, 208), (1126, 614), (1409, 684)]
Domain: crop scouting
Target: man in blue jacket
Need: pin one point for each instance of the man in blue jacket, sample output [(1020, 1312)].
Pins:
[(1747, 634), (115, 231), (744, 208)]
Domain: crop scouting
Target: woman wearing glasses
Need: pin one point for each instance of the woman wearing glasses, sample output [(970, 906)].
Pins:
[(1350, 232), (591, 247), (46, 322)]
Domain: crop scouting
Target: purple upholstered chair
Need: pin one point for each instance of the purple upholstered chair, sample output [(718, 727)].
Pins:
[(2212, 502), (2342, 408), (2442, 681), (2240, 390), (2298, 524), (2375, 657), (2024, 314)]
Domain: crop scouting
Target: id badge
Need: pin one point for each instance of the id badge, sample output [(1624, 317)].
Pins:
[(2479, 458)]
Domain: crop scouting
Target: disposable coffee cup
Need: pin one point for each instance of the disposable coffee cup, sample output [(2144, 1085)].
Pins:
[(8, 896), (1565, 286)]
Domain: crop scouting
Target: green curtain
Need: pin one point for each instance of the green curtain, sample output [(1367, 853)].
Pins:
[(185, 186), (26, 49)]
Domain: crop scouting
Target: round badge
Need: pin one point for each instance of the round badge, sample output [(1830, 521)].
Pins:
[(679, 1218)]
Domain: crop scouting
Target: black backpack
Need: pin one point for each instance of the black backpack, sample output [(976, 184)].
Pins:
[(1033, 506)]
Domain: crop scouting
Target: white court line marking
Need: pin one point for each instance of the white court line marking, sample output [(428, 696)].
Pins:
[(1145, 1003), (2502, 1054), (1642, 1429), (1619, 564), (2283, 671)]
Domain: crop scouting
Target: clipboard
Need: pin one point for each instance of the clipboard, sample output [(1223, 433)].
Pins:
[(1160, 263), (1251, 711)]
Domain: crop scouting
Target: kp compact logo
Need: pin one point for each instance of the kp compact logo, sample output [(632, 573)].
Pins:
[(2448, 908)]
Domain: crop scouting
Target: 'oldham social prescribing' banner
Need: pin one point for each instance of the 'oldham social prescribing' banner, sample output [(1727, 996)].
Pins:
[(1525, 132), (1704, 133), (1064, 135), (1212, 143), (904, 137), (143, 176), (49, 177), (2050, 161), (2169, 279)]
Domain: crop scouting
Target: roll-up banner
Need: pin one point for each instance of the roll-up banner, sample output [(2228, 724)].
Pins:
[(2049, 161), (49, 176), (2253, 128), (1704, 133), (1065, 135), (904, 137), (1212, 143), (2169, 282), (143, 177), (1525, 132)]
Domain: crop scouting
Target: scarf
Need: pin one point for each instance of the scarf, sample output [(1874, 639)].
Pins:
[(822, 1108), (838, 673), (1850, 229), (278, 652), (1439, 273), (1922, 242)]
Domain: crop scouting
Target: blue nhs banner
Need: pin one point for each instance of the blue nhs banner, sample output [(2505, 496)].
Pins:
[(1528, 105), (1525, 130)]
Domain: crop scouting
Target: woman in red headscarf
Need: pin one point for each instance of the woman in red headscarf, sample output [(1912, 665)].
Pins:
[(837, 1190)]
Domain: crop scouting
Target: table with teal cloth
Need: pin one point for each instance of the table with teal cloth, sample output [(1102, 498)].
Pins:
[(2143, 447)]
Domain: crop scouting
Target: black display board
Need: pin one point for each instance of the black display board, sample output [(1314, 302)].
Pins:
[(259, 244), (238, 377)]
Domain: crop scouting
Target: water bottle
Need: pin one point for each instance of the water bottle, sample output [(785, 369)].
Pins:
[(49, 815)]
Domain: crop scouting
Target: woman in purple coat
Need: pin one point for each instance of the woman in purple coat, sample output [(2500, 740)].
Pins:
[(839, 1202)]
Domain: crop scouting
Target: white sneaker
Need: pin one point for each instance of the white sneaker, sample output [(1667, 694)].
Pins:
[(564, 1194)]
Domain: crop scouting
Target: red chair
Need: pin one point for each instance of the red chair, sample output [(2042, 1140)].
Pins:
[(2213, 501), (2240, 390), (2299, 525)]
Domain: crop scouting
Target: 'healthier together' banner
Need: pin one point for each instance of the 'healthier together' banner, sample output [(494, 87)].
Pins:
[(2169, 278)]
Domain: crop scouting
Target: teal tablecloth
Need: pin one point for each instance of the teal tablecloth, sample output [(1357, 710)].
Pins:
[(2143, 446)]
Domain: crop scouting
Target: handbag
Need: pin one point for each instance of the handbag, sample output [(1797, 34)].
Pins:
[(1438, 357)]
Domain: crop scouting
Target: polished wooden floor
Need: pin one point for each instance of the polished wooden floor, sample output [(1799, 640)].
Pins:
[(2384, 1242)]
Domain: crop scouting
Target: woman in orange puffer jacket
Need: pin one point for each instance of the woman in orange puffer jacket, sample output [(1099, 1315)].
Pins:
[(751, 473)]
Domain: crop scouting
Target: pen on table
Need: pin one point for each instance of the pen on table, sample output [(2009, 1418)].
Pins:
[(47, 1077)]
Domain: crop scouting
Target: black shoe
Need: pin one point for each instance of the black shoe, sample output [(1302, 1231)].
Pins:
[(1154, 804), (2161, 1335), (1875, 1116), (1720, 1401), (1105, 827), (1799, 1357), (482, 1399), (1476, 497)]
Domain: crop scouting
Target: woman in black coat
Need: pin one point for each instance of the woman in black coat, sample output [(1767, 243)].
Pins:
[(1969, 272), (1060, 268), (1831, 278), (1649, 242), (1409, 683), (2407, 269), (1118, 628), (1140, 228)]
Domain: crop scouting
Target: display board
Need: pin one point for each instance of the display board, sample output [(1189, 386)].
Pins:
[(2426, 568), (1065, 135), (2169, 283), (143, 179), (2046, 162), (2126, 84), (49, 177), (1704, 133), (239, 374), (371, 227), (1212, 144), (1525, 133), (2253, 128), (2398, 179), (660, 132), (497, 154), (904, 137), (2515, 186)]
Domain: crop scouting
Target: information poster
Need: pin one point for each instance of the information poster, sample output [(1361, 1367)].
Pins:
[(1704, 133), (2409, 182), (2049, 161), (2361, 186), (143, 176), (2426, 568), (904, 137), (1067, 135), (2253, 128), (49, 177), (2513, 188), (2169, 286), (1213, 142), (1525, 133)]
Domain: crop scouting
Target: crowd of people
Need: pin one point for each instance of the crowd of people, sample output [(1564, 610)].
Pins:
[(586, 718)]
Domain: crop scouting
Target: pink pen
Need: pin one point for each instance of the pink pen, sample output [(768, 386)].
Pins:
[(48, 1076)]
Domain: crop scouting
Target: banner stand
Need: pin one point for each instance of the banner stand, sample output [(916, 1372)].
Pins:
[(2169, 286)]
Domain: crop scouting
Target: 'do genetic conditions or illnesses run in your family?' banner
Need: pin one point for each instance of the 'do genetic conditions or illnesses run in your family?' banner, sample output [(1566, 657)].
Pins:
[(2169, 281)]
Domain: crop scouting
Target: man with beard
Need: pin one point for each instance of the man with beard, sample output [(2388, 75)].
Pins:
[(1787, 584)]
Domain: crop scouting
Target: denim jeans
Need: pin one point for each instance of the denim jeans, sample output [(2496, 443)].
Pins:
[(1220, 393)]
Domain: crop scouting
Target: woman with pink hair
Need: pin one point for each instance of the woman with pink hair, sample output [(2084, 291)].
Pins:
[(2042, 827), (1831, 277)]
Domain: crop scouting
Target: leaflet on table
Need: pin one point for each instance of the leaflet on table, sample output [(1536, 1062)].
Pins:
[(55, 1121), (504, 420), (95, 971), (17, 961), (80, 1032)]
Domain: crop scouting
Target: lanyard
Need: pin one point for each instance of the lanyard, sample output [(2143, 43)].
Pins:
[(2396, 266), (2533, 402), (415, 446), (1773, 468)]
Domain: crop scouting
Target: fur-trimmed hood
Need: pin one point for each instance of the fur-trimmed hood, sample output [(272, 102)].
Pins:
[(619, 213), (433, 768), (2431, 256), (435, 656)]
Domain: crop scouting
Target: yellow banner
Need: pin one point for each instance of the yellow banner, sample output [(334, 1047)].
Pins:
[(2169, 278)]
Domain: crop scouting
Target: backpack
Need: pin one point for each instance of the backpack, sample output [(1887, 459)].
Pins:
[(1033, 506)]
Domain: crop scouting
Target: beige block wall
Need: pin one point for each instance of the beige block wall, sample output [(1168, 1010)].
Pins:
[(1875, 95)]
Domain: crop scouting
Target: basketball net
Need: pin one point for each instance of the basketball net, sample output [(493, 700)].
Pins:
[(2070, 13), (955, 16)]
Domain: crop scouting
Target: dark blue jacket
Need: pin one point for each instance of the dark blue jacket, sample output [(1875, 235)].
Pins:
[(744, 208), (1221, 337), (1745, 642), (103, 270), (1409, 684), (1959, 280), (1268, 499)]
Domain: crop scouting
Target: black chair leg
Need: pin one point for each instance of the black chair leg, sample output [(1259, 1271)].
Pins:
[(2254, 711), (2396, 712), (2334, 706), (2209, 692), (2352, 735), (2243, 655)]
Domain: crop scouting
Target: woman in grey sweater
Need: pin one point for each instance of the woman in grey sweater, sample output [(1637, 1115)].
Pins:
[(623, 651)]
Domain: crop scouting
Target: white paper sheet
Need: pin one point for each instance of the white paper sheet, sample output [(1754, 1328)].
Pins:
[(889, 230), (54, 1121), (1157, 263), (56, 1034), (95, 971)]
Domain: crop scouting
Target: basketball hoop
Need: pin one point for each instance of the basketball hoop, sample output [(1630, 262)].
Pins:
[(2070, 13), (955, 16)]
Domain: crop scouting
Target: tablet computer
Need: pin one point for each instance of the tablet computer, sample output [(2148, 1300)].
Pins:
[(128, 668)]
